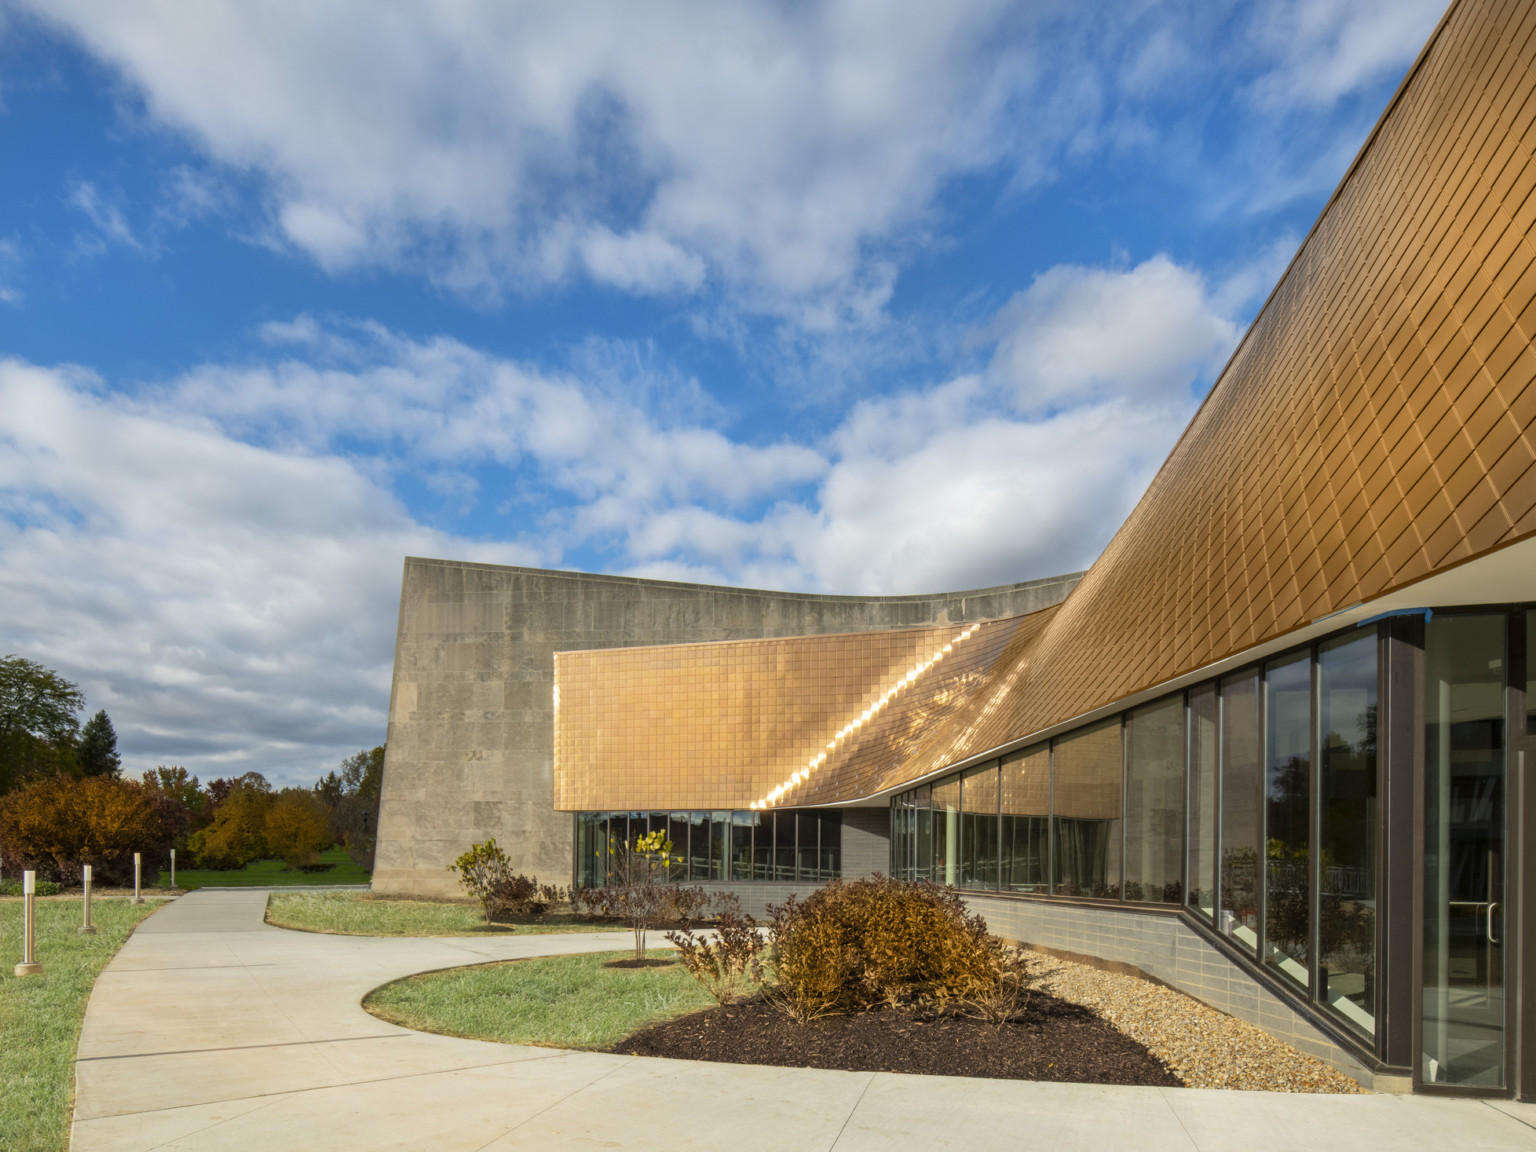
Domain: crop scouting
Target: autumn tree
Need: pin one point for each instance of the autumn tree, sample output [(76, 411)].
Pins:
[(60, 823)]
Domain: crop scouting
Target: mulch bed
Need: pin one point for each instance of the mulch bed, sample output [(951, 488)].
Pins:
[(1050, 1040), (651, 962)]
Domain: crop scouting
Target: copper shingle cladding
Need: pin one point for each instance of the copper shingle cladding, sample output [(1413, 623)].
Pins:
[(717, 725), (1375, 426)]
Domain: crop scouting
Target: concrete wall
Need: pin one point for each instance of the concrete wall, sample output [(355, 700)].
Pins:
[(1163, 946), (471, 730)]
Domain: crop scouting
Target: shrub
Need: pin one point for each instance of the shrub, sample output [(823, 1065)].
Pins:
[(238, 833), (854, 946), (58, 824), (725, 965), (44, 887), (297, 828), (487, 876)]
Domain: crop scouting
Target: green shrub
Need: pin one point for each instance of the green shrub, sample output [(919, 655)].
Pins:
[(855, 946), (488, 877), (44, 887)]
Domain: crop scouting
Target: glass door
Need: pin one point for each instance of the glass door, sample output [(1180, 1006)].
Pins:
[(1464, 852)]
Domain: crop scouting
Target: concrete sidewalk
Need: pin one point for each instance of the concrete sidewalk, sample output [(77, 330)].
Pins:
[(213, 1030)]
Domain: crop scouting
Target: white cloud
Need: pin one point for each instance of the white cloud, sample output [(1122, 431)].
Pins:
[(1080, 334), (105, 216), (770, 144), (1327, 49), (791, 157), (227, 604), (1025, 470)]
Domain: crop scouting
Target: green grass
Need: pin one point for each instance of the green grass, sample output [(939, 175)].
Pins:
[(556, 1001), (363, 914), (271, 874), (40, 1015)]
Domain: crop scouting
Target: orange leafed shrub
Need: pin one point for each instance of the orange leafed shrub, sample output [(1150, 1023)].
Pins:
[(58, 824)]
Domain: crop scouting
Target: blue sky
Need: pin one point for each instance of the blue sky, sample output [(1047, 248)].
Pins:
[(838, 297)]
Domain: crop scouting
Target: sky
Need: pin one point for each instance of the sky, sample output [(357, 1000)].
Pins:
[(824, 296)]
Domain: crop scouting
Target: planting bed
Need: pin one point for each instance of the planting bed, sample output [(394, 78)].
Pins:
[(1051, 1040)]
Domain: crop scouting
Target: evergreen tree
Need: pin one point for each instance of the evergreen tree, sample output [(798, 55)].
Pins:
[(97, 751)]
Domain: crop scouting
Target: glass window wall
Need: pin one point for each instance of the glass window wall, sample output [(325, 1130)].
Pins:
[(1346, 802), (946, 831), (1202, 800), (742, 826), (1287, 815), (1026, 807), (1464, 852), (978, 827), (1240, 788), (1154, 803), (1085, 811)]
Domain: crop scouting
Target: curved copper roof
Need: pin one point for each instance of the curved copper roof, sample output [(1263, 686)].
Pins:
[(1374, 427)]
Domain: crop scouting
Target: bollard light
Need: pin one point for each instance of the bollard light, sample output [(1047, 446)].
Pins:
[(86, 928), (173, 867), (29, 965), (138, 897)]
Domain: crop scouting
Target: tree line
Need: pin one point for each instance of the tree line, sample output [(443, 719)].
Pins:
[(64, 801)]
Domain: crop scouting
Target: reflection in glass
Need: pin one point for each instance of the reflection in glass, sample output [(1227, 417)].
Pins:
[(1240, 809), (978, 827), (1154, 803), (1085, 811), (1530, 672), (1026, 806), (946, 831), (1287, 799), (830, 837), (698, 846), (784, 845), (1202, 800), (677, 832), (1346, 800), (808, 864), (1464, 920), (742, 824), (720, 846)]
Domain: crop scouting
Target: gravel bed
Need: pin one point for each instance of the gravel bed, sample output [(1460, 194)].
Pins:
[(1203, 1047)]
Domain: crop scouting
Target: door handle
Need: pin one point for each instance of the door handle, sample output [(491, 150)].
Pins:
[(1491, 939)]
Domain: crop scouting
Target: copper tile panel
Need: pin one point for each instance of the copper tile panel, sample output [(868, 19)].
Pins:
[(721, 725), (1374, 426)]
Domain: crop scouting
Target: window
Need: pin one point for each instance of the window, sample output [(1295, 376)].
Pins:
[(946, 831), (1287, 800), (1154, 803), (1202, 800), (1026, 807), (1239, 879), (1085, 811), (978, 829), (1346, 804)]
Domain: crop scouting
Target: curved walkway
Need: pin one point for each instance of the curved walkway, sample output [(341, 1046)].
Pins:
[(213, 1030)]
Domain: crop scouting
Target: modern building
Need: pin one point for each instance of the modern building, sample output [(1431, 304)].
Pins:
[(1276, 746)]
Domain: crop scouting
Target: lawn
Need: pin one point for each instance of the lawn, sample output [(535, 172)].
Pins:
[(555, 1001), (363, 914), (40, 1015), (271, 874)]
